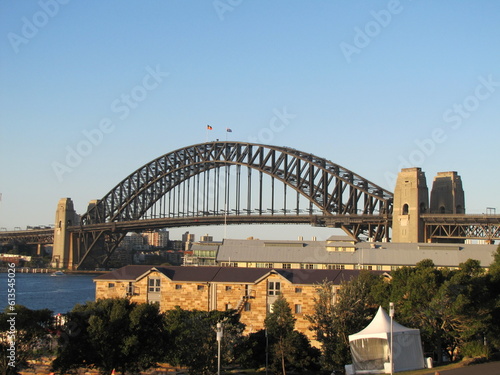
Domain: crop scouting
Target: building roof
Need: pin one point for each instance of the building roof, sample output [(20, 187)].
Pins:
[(370, 253), (127, 273), (228, 274)]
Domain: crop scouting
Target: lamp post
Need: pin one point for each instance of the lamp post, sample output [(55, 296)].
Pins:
[(391, 314), (219, 339)]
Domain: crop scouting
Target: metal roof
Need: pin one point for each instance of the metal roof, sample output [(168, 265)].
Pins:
[(370, 253)]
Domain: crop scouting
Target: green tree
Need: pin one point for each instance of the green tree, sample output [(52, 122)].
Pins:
[(288, 347), (280, 325), (192, 338), (452, 309), (251, 353), (23, 336), (412, 289), (111, 334), (494, 268), (336, 316), (493, 333), (322, 323), (463, 307)]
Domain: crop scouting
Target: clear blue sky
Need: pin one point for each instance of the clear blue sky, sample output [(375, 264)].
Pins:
[(372, 85)]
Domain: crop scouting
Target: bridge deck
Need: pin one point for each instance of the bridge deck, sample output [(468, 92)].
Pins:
[(471, 219), (30, 236), (466, 226)]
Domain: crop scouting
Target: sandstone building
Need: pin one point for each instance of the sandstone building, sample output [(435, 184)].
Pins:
[(250, 291)]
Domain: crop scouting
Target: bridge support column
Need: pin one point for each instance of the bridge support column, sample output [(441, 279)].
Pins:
[(447, 194), (39, 249), (63, 250), (411, 198)]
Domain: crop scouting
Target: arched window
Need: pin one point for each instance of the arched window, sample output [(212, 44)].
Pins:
[(442, 210), (422, 208), (405, 209)]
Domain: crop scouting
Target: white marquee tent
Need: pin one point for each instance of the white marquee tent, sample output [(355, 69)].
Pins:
[(370, 348)]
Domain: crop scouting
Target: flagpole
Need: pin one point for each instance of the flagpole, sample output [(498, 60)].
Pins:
[(226, 193)]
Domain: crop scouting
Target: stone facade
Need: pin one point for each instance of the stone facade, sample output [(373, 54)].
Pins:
[(411, 198), (251, 292), (447, 194)]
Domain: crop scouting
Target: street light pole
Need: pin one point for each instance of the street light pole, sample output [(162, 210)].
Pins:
[(219, 339), (391, 314)]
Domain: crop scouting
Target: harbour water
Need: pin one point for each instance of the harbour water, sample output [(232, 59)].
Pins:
[(43, 291)]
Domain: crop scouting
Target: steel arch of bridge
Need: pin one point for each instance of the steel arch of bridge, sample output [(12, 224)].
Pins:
[(338, 194)]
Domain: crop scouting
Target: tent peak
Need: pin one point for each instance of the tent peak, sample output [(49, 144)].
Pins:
[(381, 324)]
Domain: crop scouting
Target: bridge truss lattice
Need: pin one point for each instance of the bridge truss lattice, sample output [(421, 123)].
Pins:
[(236, 182)]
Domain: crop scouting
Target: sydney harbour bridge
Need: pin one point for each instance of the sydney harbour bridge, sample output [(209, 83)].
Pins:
[(219, 183)]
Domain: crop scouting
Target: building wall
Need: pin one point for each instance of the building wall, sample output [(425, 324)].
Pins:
[(197, 295), (190, 296)]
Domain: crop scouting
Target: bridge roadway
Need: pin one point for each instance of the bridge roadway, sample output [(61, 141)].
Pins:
[(30, 236), (461, 226), (334, 221), (437, 226), (46, 236)]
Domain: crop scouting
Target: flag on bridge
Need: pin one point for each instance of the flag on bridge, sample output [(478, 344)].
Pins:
[(209, 127), (229, 130)]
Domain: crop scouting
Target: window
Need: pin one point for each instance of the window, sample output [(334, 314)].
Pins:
[(405, 209), (228, 288), (298, 290), (335, 266), (178, 286), (308, 266), (298, 309), (111, 285), (130, 289), (201, 287), (287, 266), (154, 285), (274, 288), (265, 265), (248, 306)]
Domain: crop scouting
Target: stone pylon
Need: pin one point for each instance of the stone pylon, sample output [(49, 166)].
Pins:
[(63, 251), (447, 194), (411, 199)]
